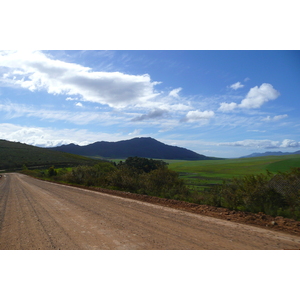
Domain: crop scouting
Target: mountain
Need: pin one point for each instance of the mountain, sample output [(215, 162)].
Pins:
[(141, 147), (14, 155), (270, 153)]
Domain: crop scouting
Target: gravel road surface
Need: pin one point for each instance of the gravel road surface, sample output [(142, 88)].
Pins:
[(40, 215)]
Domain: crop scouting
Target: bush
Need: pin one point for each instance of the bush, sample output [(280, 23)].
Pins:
[(166, 183), (273, 195), (125, 179), (52, 172), (136, 175), (86, 175)]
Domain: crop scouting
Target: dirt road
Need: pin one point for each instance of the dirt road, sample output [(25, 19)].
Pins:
[(39, 215)]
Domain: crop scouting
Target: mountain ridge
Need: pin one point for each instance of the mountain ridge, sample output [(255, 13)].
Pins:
[(140, 146), (270, 153), (13, 155)]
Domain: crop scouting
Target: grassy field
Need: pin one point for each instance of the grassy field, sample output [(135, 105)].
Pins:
[(204, 173)]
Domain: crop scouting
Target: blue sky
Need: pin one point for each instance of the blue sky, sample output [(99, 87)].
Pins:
[(217, 103)]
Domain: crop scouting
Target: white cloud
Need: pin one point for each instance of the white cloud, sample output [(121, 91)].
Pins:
[(174, 93), (36, 71), (275, 118), (196, 115), (255, 98), (135, 132), (253, 144), (237, 85), (50, 137), (262, 144), (227, 106), (79, 104), (71, 98), (279, 117), (267, 119), (289, 143), (13, 110), (154, 114)]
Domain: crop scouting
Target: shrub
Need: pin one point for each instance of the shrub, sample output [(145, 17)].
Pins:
[(167, 184), (124, 178), (52, 172), (273, 195)]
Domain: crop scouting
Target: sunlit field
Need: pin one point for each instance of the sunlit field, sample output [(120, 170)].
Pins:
[(204, 173)]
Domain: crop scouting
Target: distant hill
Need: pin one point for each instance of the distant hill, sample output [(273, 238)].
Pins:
[(270, 153), (141, 147), (14, 155)]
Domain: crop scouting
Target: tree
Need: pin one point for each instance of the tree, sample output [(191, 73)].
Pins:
[(52, 172), (144, 164)]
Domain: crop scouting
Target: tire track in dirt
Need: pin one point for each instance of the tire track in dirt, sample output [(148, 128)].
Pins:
[(43, 217), (121, 222), (3, 198)]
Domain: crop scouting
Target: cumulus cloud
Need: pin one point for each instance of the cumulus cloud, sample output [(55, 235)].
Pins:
[(275, 118), (290, 143), (196, 116), (36, 71), (154, 114), (255, 98), (237, 85)]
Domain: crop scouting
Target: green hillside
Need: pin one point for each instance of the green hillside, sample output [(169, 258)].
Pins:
[(14, 155), (205, 173)]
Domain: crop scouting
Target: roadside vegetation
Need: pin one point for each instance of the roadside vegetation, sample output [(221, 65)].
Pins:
[(135, 175), (275, 193)]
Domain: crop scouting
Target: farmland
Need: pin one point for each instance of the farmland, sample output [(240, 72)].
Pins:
[(201, 174)]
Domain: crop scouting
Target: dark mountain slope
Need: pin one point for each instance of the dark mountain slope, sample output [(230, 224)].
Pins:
[(141, 147), (15, 155)]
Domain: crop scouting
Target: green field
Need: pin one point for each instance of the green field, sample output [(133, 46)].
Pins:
[(204, 173)]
